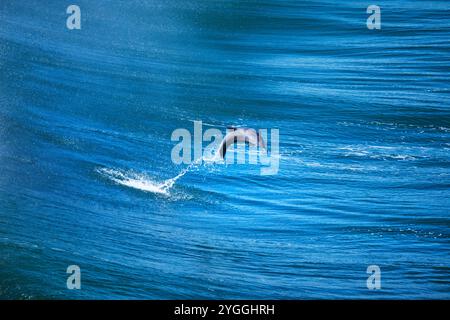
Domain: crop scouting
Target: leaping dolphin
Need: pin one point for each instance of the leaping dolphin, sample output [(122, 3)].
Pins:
[(247, 135)]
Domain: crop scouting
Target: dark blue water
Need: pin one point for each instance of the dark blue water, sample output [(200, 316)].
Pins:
[(364, 176)]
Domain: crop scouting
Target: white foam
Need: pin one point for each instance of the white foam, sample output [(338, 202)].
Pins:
[(143, 182), (136, 181)]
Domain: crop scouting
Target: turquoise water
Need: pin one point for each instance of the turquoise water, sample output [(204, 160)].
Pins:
[(86, 118)]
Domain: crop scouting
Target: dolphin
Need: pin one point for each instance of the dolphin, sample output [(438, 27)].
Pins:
[(247, 135)]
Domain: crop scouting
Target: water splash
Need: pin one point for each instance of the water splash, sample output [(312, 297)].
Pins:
[(133, 180), (170, 182), (143, 182)]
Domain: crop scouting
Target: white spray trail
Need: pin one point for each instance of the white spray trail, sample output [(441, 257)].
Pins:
[(143, 182), (170, 182)]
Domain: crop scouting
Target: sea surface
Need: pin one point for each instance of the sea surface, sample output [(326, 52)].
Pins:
[(87, 177)]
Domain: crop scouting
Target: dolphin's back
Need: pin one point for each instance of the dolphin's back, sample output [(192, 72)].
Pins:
[(246, 135)]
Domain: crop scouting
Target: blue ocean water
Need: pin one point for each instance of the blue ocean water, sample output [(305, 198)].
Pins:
[(364, 123)]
